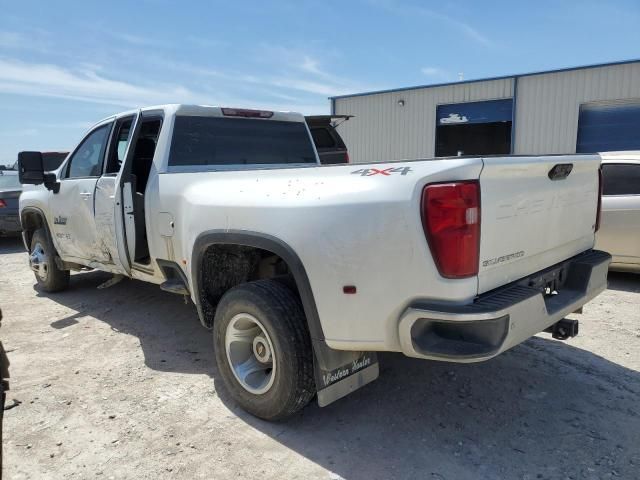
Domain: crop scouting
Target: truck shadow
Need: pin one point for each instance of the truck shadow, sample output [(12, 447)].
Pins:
[(170, 333), (623, 281), (11, 244), (537, 411)]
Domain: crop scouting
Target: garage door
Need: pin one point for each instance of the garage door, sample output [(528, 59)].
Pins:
[(608, 127)]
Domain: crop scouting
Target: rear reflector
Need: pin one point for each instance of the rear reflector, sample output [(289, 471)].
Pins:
[(599, 212), (451, 222), (243, 112), (3, 204)]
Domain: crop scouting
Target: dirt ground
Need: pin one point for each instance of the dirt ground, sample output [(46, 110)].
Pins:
[(121, 383)]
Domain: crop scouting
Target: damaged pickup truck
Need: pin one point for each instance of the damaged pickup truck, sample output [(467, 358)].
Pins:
[(303, 271)]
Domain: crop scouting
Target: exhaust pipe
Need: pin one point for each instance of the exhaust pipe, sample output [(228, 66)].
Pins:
[(563, 329)]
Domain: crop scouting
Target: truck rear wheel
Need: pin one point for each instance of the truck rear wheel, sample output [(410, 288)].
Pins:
[(42, 261), (263, 349)]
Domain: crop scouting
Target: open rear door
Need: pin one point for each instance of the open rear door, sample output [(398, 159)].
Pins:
[(124, 207)]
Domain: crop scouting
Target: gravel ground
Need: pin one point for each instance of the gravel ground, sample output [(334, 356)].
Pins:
[(120, 383)]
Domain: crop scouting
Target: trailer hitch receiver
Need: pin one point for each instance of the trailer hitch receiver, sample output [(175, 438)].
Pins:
[(563, 329)]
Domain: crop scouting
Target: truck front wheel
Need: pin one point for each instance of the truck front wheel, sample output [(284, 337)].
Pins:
[(42, 261), (263, 349)]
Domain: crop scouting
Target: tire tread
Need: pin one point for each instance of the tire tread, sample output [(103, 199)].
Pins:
[(280, 302)]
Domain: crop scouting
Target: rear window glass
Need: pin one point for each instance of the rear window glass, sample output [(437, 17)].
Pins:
[(9, 181), (239, 141), (322, 138), (621, 179)]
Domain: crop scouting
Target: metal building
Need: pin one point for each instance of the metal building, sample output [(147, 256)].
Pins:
[(584, 109)]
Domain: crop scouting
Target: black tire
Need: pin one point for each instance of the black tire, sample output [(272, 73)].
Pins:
[(54, 280), (279, 311)]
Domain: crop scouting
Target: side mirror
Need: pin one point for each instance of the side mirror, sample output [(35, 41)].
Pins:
[(30, 168), (31, 171)]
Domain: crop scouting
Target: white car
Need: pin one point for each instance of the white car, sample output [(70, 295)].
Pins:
[(303, 271), (620, 232)]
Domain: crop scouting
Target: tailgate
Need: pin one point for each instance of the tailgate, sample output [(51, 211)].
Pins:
[(530, 222)]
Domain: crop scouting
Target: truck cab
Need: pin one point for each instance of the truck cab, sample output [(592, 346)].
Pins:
[(94, 202)]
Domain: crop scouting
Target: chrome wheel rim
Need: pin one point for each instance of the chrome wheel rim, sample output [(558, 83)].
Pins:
[(250, 353), (38, 261)]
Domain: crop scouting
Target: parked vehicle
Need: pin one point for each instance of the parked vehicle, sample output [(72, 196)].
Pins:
[(10, 189), (620, 232), (328, 142), (303, 272)]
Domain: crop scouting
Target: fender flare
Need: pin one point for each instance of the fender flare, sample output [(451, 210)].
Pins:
[(264, 242), (40, 213)]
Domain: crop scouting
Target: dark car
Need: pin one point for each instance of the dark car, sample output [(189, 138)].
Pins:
[(10, 190), (329, 143)]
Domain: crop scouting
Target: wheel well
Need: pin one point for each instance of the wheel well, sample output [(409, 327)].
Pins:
[(31, 221), (224, 266)]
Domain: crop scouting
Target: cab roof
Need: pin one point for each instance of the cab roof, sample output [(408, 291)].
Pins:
[(208, 111)]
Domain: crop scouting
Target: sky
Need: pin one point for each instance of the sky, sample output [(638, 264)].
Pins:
[(65, 65)]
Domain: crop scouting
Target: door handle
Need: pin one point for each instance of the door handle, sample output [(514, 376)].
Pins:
[(85, 194)]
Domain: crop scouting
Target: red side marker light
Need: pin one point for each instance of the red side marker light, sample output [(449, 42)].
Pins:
[(349, 289)]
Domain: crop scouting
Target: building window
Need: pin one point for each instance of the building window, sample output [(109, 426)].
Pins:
[(609, 126), (474, 128)]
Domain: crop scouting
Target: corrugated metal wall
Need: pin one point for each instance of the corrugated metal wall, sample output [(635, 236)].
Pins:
[(546, 111), (383, 130), (548, 104)]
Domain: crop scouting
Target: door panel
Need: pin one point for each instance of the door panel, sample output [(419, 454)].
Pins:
[(109, 206), (619, 232), (105, 221), (129, 218), (73, 226)]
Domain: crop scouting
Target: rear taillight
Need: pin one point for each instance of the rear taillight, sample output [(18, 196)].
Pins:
[(451, 221), (599, 212), (3, 204)]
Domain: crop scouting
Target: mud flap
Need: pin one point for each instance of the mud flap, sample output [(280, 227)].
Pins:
[(338, 373)]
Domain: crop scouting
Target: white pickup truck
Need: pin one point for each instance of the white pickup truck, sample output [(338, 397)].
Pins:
[(304, 271)]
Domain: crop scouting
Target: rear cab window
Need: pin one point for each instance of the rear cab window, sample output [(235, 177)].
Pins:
[(621, 179), (219, 141)]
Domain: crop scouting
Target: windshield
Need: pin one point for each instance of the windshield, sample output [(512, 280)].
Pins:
[(9, 181), (233, 141)]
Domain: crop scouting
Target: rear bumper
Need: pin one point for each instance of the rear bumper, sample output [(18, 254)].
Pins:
[(10, 223), (505, 317)]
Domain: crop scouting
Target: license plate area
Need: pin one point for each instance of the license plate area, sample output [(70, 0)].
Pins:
[(550, 281)]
